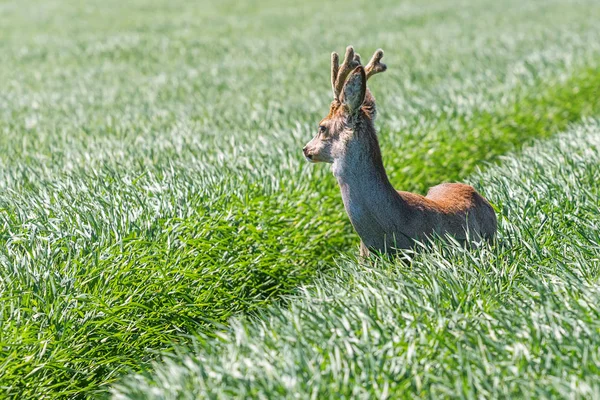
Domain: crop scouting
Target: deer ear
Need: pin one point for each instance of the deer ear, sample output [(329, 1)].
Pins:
[(355, 89)]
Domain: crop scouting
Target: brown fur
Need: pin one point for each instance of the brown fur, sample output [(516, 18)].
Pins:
[(446, 198), (386, 219)]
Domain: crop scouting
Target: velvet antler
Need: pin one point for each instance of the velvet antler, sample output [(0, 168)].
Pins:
[(375, 66), (339, 73)]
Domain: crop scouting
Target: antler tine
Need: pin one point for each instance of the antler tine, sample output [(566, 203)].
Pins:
[(375, 66), (350, 62), (335, 66)]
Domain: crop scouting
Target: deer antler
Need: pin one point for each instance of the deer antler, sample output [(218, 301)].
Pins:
[(335, 67), (375, 66), (339, 73)]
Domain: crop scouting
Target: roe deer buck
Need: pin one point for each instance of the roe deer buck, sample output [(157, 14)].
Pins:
[(386, 219)]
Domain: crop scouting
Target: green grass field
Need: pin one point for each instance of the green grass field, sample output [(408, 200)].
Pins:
[(153, 187), (516, 320)]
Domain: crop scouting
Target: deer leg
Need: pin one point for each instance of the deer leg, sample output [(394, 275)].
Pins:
[(363, 251)]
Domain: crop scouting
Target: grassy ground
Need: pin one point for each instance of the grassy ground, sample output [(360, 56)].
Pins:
[(517, 320), (150, 166)]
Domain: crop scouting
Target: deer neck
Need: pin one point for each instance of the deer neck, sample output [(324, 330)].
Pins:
[(375, 209)]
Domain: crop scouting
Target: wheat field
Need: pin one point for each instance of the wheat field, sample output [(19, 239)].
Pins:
[(163, 236)]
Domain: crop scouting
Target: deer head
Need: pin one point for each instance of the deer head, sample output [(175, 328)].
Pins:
[(352, 109)]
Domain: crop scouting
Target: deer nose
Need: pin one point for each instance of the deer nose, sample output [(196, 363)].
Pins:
[(309, 156)]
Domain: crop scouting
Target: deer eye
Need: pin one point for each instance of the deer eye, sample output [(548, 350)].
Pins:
[(322, 128)]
